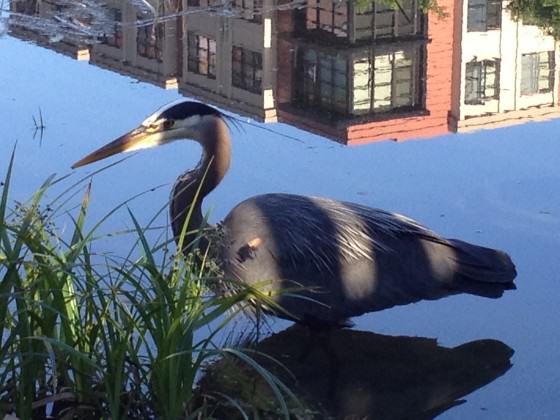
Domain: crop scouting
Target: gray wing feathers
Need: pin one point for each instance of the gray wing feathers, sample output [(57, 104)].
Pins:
[(318, 230), (361, 259)]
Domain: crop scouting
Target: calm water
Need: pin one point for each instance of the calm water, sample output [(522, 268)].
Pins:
[(497, 188)]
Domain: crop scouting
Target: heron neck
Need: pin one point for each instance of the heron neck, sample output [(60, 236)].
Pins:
[(191, 188)]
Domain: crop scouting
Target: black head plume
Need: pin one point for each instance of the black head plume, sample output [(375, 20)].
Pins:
[(185, 109)]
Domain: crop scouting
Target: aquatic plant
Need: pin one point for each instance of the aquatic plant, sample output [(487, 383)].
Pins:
[(96, 335)]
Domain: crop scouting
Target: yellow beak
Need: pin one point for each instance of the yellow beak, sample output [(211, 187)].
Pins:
[(139, 138)]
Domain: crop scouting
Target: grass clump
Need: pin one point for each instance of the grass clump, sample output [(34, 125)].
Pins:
[(92, 336)]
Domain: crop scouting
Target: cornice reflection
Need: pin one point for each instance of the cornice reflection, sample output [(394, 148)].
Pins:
[(357, 374), (355, 72)]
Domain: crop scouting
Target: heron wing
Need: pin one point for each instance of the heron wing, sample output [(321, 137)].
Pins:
[(351, 259), (302, 231)]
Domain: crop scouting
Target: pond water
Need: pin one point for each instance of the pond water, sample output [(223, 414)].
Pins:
[(497, 187)]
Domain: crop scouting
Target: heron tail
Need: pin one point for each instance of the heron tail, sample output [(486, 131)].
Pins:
[(482, 271)]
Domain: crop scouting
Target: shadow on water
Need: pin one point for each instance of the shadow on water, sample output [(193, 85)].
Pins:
[(357, 375)]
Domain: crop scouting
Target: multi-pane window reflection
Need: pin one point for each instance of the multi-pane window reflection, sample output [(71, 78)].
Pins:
[(379, 20), (361, 84), (537, 72), (384, 82), (361, 21), (201, 55), (149, 40), (246, 69), (324, 82), (327, 16), (484, 15), (481, 81)]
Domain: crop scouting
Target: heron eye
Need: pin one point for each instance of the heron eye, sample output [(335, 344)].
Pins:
[(167, 124)]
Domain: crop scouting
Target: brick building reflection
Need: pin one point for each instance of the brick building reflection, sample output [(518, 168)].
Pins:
[(355, 72)]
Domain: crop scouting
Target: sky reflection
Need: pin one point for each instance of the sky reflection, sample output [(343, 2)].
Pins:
[(498, 188)]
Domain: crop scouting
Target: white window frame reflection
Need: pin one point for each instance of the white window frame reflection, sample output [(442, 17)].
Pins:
[(537, 73)]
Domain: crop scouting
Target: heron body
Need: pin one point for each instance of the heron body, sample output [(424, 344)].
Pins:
[(344, 259)]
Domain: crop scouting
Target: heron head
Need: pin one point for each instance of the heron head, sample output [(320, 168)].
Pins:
[(178, 120)]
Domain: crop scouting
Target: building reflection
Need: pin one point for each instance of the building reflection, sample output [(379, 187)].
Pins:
[(359, 74), (136, 45), (355, 72), (230, 57), (504, 71), (35, 20)]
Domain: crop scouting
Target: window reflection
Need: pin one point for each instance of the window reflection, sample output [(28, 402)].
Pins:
[(247, 69), (360, 83), (201, 55), (352, 70), (348, 21), (481, 81), (149, 40), (379, 20), (537, 72), (328, 16), (324, 81), (484, 15), (114, 38)]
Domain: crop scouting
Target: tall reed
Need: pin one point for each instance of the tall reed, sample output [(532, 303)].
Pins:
[(96, 336)]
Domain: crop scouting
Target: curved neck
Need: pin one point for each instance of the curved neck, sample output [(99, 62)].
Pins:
[(191, 187)]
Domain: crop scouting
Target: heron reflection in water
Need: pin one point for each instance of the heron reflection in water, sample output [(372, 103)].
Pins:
[(347, 259), (363, 375)]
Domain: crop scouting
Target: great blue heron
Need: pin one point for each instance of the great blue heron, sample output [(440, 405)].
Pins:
[(347, 259)]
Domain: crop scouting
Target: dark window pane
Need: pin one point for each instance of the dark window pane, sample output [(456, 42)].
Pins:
[(476, 15), (246, 70), (494, 14), (237, 66), (405, 17), (483, 15), (192, 42), (324, 84)]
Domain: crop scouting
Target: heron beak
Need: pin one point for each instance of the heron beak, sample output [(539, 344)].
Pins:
[(139, 138)]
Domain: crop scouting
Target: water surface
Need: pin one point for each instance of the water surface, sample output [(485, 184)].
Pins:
[(497, 188)]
